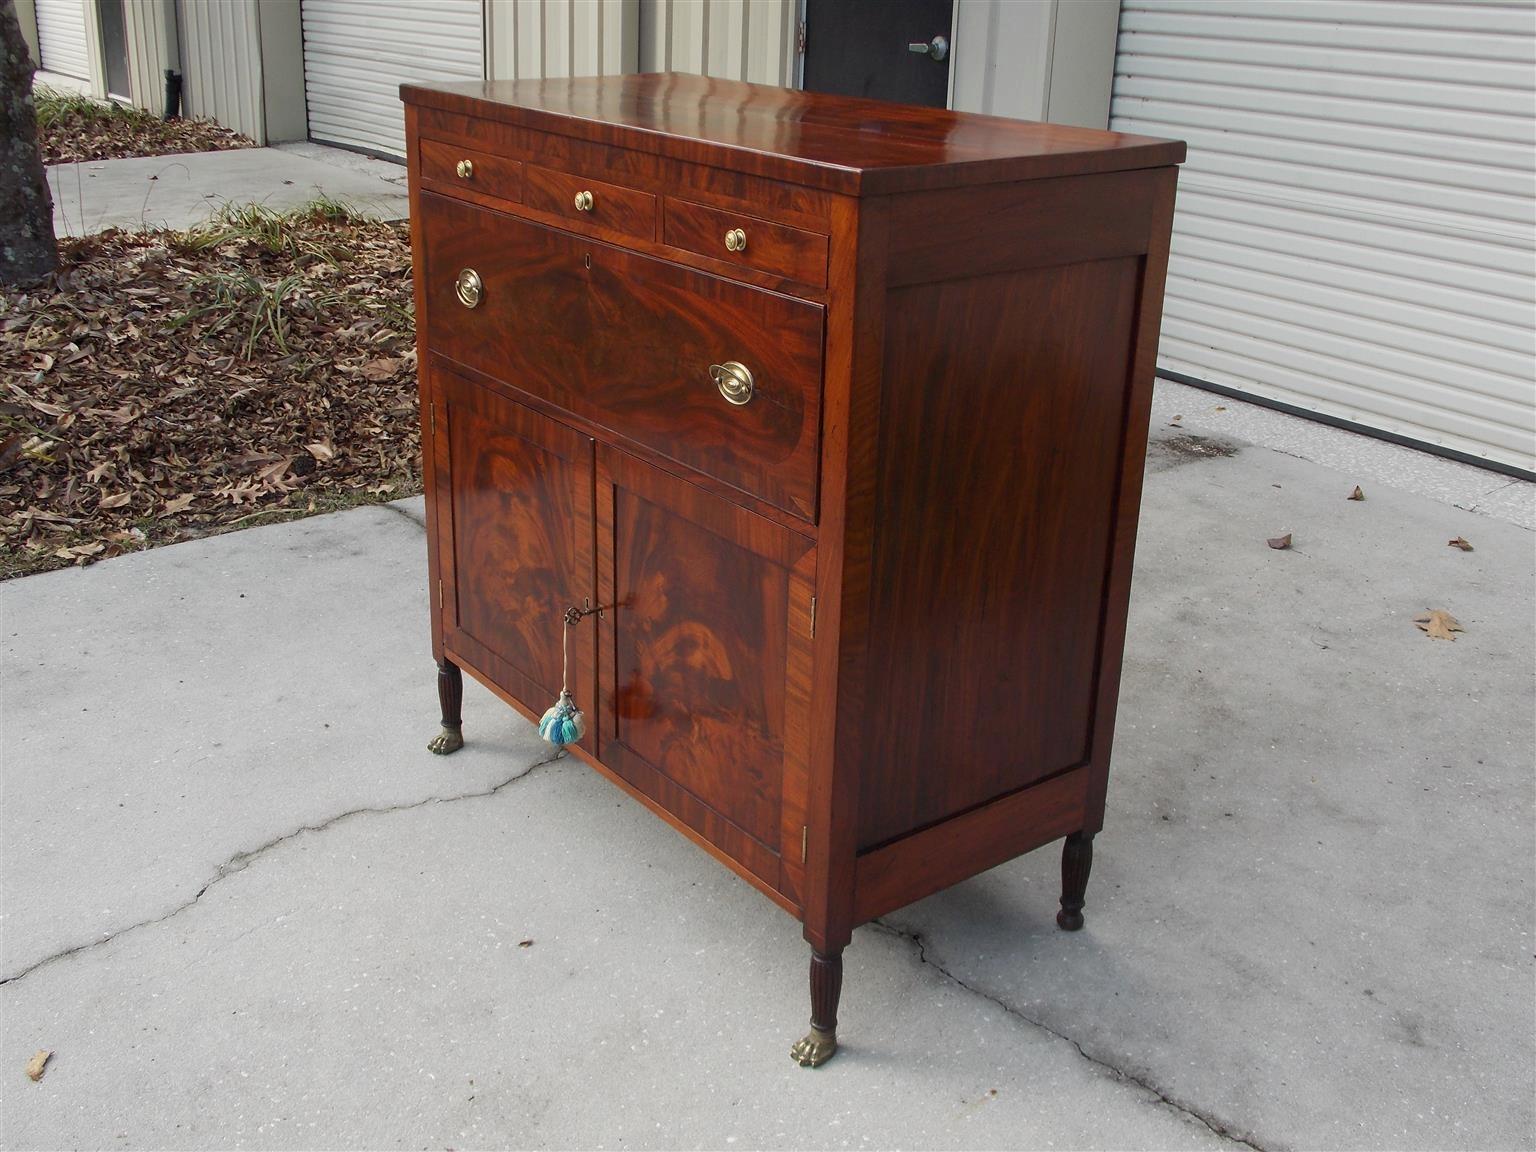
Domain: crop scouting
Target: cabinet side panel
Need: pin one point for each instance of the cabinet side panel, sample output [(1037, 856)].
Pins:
[(1001, 435)]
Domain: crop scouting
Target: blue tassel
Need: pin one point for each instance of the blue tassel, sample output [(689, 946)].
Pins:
[(563, 724)]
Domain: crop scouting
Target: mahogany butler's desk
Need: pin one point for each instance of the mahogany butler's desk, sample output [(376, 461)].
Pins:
[(833, 413)]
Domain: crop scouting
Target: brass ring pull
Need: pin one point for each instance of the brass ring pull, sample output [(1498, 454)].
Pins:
[(734, 381), (736, 240), (468, 287), (465, 169), (583, 201)]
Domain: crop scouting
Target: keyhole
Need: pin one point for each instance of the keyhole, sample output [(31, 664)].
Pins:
[(587, 260)]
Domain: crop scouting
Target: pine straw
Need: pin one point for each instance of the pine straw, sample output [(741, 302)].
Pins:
[(168, 385), (73, 128)]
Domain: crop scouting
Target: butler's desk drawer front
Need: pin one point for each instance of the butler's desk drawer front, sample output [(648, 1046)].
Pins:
[(719, 376)]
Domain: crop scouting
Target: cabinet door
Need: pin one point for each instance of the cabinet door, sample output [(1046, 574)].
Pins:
[(518, 496), (705, 662)]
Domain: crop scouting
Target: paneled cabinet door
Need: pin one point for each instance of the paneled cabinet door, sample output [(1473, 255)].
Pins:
[(517, 497), (705, 662)]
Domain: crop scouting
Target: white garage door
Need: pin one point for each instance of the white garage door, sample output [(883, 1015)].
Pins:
[(1356, 226), (61, 38), (357, 53)]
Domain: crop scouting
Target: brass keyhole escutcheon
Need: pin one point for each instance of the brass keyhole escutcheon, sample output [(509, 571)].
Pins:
[(736, 240), (584, 201), (734, 380), (468, 287), (465, 169)]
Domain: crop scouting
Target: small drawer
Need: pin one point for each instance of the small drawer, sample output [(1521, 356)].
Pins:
[(749, 241), (451, 168), (592, 203)]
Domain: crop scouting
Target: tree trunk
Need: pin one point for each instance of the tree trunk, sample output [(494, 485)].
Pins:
[(28, 249)]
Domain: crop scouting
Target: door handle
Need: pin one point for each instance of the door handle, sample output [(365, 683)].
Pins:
[(938, 47)]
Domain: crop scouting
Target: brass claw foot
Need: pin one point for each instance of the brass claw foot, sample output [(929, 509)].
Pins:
[(815, 1050), (450, 739)]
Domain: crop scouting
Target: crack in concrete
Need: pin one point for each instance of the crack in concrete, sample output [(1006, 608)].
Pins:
[(398, 511), (240, 861), (1216, 1126)]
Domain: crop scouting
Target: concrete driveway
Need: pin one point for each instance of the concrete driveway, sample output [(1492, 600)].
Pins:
[(245, 907)]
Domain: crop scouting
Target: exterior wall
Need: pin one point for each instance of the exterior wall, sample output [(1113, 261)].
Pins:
[(751, 40), (540, 38), (26, 14), (1036, 59), (152, 48), (222, 73)]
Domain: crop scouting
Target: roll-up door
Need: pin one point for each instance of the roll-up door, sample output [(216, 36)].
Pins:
[(61, 38), (1356, 225), (358, 52)]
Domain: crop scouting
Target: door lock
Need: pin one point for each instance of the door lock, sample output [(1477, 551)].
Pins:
[(938, 47)]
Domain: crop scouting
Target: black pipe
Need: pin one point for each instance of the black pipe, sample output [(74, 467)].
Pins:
[(172, 94)]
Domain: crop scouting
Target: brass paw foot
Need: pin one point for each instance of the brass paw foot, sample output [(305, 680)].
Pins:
[(450, 739), (815, 1050)]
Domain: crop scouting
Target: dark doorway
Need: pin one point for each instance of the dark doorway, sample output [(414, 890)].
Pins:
[(884, 49), (114, 47)]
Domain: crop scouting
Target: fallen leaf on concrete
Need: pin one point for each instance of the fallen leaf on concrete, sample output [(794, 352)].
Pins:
[(1279, 543), (1219, 408), (38, 1062), (1459, 542), (1357, 494), (1438, 624), (1175, 422), (525, 943)]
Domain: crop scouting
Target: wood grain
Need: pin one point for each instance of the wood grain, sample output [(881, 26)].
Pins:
[(842, 144), (617, 212), (1000, 442), (627, 341), (792, 253), (695, 668), (929, 861), (521, 506), (492, 179)]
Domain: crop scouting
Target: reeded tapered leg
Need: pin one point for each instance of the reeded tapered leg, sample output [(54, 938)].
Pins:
[(826, 987), (450, 694), (1076, 861)]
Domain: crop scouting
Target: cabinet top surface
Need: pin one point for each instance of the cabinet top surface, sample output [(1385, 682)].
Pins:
[(842, 144)]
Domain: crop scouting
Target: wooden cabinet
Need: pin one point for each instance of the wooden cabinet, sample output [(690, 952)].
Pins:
[(827, 418)]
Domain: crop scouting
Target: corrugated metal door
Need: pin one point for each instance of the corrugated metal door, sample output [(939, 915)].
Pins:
[(61, 38), (1356, 227), (357, 53)]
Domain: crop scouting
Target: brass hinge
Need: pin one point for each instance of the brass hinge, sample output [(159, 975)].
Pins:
[(805, 842), (800, 37), (439, 591), (813, 617)]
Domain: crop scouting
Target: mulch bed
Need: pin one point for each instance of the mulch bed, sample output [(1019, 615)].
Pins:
[(168, 385), (72, 129)]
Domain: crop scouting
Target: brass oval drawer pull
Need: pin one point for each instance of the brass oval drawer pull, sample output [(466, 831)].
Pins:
[(736, 240), (583, 201), (465, 169), (734, 381), (468, 287)]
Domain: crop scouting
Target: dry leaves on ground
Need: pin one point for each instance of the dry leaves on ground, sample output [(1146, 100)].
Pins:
[(1357, 494), (1279, 543), (38, 1062), (74, 128), (1460, 543), (168, 385), (1438, 624)]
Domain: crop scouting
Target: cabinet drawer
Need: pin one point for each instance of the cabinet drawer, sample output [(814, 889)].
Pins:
[(592, 204), (726, 234), (451, 168), (627, 342)]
